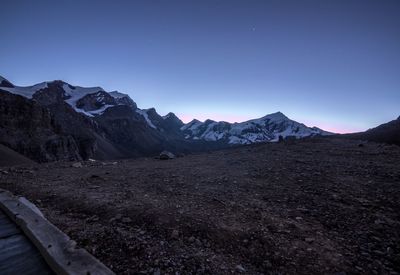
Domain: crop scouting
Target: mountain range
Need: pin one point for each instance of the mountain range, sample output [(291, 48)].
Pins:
[(58, 121)]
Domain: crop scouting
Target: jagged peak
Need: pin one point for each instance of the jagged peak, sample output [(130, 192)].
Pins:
[(209, 121), (151, 110), (169, 115)]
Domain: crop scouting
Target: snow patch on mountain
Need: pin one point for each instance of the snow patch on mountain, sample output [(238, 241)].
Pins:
[(101, 110), (93, 113), (146, 117), (27, 92), (74, 93)]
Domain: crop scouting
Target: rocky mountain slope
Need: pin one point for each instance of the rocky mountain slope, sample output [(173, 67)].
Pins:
[(94, 123), (9, 157)]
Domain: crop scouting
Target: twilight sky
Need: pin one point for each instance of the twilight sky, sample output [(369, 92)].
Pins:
[(332, 64)]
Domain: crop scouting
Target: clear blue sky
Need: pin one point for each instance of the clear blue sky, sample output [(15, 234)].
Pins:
[(333, 64)]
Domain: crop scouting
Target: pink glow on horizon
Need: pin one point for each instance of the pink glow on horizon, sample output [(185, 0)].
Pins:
[(339, 129), (330, 127), (333, 127)]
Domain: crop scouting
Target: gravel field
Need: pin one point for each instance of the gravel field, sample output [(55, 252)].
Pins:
[(316, 206)]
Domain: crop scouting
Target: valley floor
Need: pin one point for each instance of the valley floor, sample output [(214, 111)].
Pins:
[(315, 206)]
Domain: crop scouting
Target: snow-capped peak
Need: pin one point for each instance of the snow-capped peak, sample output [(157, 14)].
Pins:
[(27, 91)]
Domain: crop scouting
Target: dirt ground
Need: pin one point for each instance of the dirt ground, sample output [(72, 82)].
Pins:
[(317, 206)]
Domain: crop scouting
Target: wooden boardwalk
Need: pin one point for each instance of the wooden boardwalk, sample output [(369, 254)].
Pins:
[(30, 244), (17, 254)]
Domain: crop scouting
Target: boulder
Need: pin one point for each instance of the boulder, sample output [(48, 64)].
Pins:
[(166, 155), (77, 165)]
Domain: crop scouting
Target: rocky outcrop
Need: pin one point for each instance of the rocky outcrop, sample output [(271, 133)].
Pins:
[(164, 155), (29, 129)]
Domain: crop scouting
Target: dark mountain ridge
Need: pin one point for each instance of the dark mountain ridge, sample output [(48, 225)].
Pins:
[(387, 133)]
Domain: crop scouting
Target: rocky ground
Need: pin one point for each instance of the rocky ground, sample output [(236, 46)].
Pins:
[(309, 207)]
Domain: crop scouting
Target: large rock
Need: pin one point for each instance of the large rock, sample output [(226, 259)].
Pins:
[(166, 155)]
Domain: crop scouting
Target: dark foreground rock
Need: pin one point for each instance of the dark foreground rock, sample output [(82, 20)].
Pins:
[(164, 155), (318, 206)]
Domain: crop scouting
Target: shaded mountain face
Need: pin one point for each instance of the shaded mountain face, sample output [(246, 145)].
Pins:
[(109, 125), (81, 127), (267, 128), (387, 133), (9, 157), (29, 129), (172, 121), (130, 132)]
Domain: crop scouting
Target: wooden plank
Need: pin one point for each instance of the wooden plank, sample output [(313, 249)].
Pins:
[(2, 215), (7, 227), (19, 256), (59, 251)]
